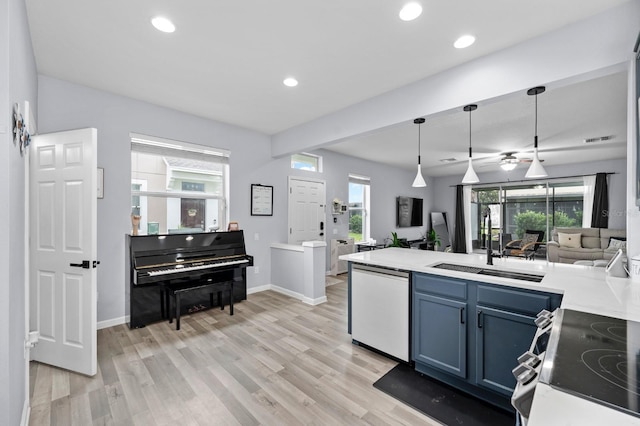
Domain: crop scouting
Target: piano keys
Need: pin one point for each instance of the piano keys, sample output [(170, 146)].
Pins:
[(156, 260)]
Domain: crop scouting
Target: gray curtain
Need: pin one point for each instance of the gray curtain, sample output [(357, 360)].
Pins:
[(459, 237), (600, 212)]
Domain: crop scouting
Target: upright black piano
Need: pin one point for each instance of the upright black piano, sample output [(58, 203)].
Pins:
[(156, 260)]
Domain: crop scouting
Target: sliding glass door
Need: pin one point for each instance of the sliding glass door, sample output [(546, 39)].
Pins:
[(516, 208)]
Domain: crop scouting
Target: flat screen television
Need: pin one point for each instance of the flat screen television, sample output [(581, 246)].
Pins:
[(408, 212)]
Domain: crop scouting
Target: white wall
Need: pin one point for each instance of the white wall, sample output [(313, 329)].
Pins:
[(445, 197), (5, 185), (64, 106), (18, 83), (632, 211)]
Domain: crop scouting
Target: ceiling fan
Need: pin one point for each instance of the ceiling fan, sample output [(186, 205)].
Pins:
[(508, 161)]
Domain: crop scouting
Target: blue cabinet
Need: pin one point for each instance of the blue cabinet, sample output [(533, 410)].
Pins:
[(441, 320), (501, 337), (469, 334), (504, 330)]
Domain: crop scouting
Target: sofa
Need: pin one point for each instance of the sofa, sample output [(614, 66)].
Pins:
[(595, 244)]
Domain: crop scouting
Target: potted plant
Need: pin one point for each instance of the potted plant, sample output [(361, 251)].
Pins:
[(433, 239), (396, 242)]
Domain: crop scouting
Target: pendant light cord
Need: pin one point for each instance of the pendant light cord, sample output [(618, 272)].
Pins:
[(535, 136), (469, 133), (419, 125)]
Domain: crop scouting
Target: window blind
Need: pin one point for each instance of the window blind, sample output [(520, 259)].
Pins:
[(172, 148), (362, 180)]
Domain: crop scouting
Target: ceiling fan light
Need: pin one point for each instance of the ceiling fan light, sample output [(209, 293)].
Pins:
[(470, 176), (509, 162), (419, 181), (508, 166), (536, 170)]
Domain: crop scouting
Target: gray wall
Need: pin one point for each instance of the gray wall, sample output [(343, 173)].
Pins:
[(64, 106), (18, 83), (445, 197), (386, 184)]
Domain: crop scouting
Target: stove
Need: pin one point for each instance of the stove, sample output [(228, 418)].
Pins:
[(589, 356)]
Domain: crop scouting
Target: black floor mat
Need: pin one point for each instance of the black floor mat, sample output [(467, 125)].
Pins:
[(440, 401)]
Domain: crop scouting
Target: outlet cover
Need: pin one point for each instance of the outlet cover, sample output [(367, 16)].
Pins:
[(256, 269)]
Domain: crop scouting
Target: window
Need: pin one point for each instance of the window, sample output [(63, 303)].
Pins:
[(304, 161), (359, 207), (517, 208), (178, 187)]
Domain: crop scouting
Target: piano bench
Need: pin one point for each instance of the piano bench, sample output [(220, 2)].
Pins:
[(176, 290)]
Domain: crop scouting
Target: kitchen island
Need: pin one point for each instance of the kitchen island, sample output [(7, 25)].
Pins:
[(581, 288)]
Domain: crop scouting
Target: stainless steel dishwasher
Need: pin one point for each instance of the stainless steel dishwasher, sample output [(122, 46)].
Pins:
[(380, 309)]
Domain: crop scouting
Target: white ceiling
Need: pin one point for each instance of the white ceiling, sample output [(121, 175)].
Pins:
[(226, 61), (566, 117)]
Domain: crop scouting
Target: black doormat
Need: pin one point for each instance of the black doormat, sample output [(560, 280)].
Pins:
[(440, 401)]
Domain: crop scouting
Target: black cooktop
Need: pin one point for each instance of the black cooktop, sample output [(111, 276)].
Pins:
[(595, 357)]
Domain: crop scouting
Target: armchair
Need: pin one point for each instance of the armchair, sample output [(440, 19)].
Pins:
[(525, 247)]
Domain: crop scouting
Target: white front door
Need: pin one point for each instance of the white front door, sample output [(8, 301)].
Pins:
[(63, 249), (307, 220)]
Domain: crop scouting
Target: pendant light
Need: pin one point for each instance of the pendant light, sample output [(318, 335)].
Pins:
[(536, 170), (419, 182), (470, 176)]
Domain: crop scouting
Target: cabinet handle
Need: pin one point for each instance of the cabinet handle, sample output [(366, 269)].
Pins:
[(479, 318), (461, 315)]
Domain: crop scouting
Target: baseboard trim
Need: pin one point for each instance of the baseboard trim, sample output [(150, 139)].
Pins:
[(112, 322), (314, 302), (125, 319), (290, 293), (258, 289)]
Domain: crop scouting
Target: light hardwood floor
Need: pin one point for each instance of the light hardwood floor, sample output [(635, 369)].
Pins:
[(277, 361)]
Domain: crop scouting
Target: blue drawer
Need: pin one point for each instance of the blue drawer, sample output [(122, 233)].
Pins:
[(441, 286), (517, 300)]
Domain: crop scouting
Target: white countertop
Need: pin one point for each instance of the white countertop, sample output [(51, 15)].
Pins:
[(584, 288)]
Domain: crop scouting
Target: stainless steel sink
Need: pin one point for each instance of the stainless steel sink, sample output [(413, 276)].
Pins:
[(491, 272)]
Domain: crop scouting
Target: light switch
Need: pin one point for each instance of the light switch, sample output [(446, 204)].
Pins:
[(256, 236), (335, 231)]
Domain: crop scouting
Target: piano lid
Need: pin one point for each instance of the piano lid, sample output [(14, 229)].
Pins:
[(158, 249)]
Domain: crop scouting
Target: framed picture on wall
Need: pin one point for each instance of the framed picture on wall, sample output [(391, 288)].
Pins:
[(261, 200)]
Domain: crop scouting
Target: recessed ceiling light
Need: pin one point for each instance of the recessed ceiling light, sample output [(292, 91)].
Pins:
[(163, 24), (290, 81), (410, 11), (464, 41)]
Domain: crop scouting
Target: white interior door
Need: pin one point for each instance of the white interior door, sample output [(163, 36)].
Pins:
[(63, 219), (307, 217)]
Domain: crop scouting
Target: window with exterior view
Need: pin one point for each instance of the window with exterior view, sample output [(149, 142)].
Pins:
[(518, 208), (359, 225), (177, 187), (304, 161)]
